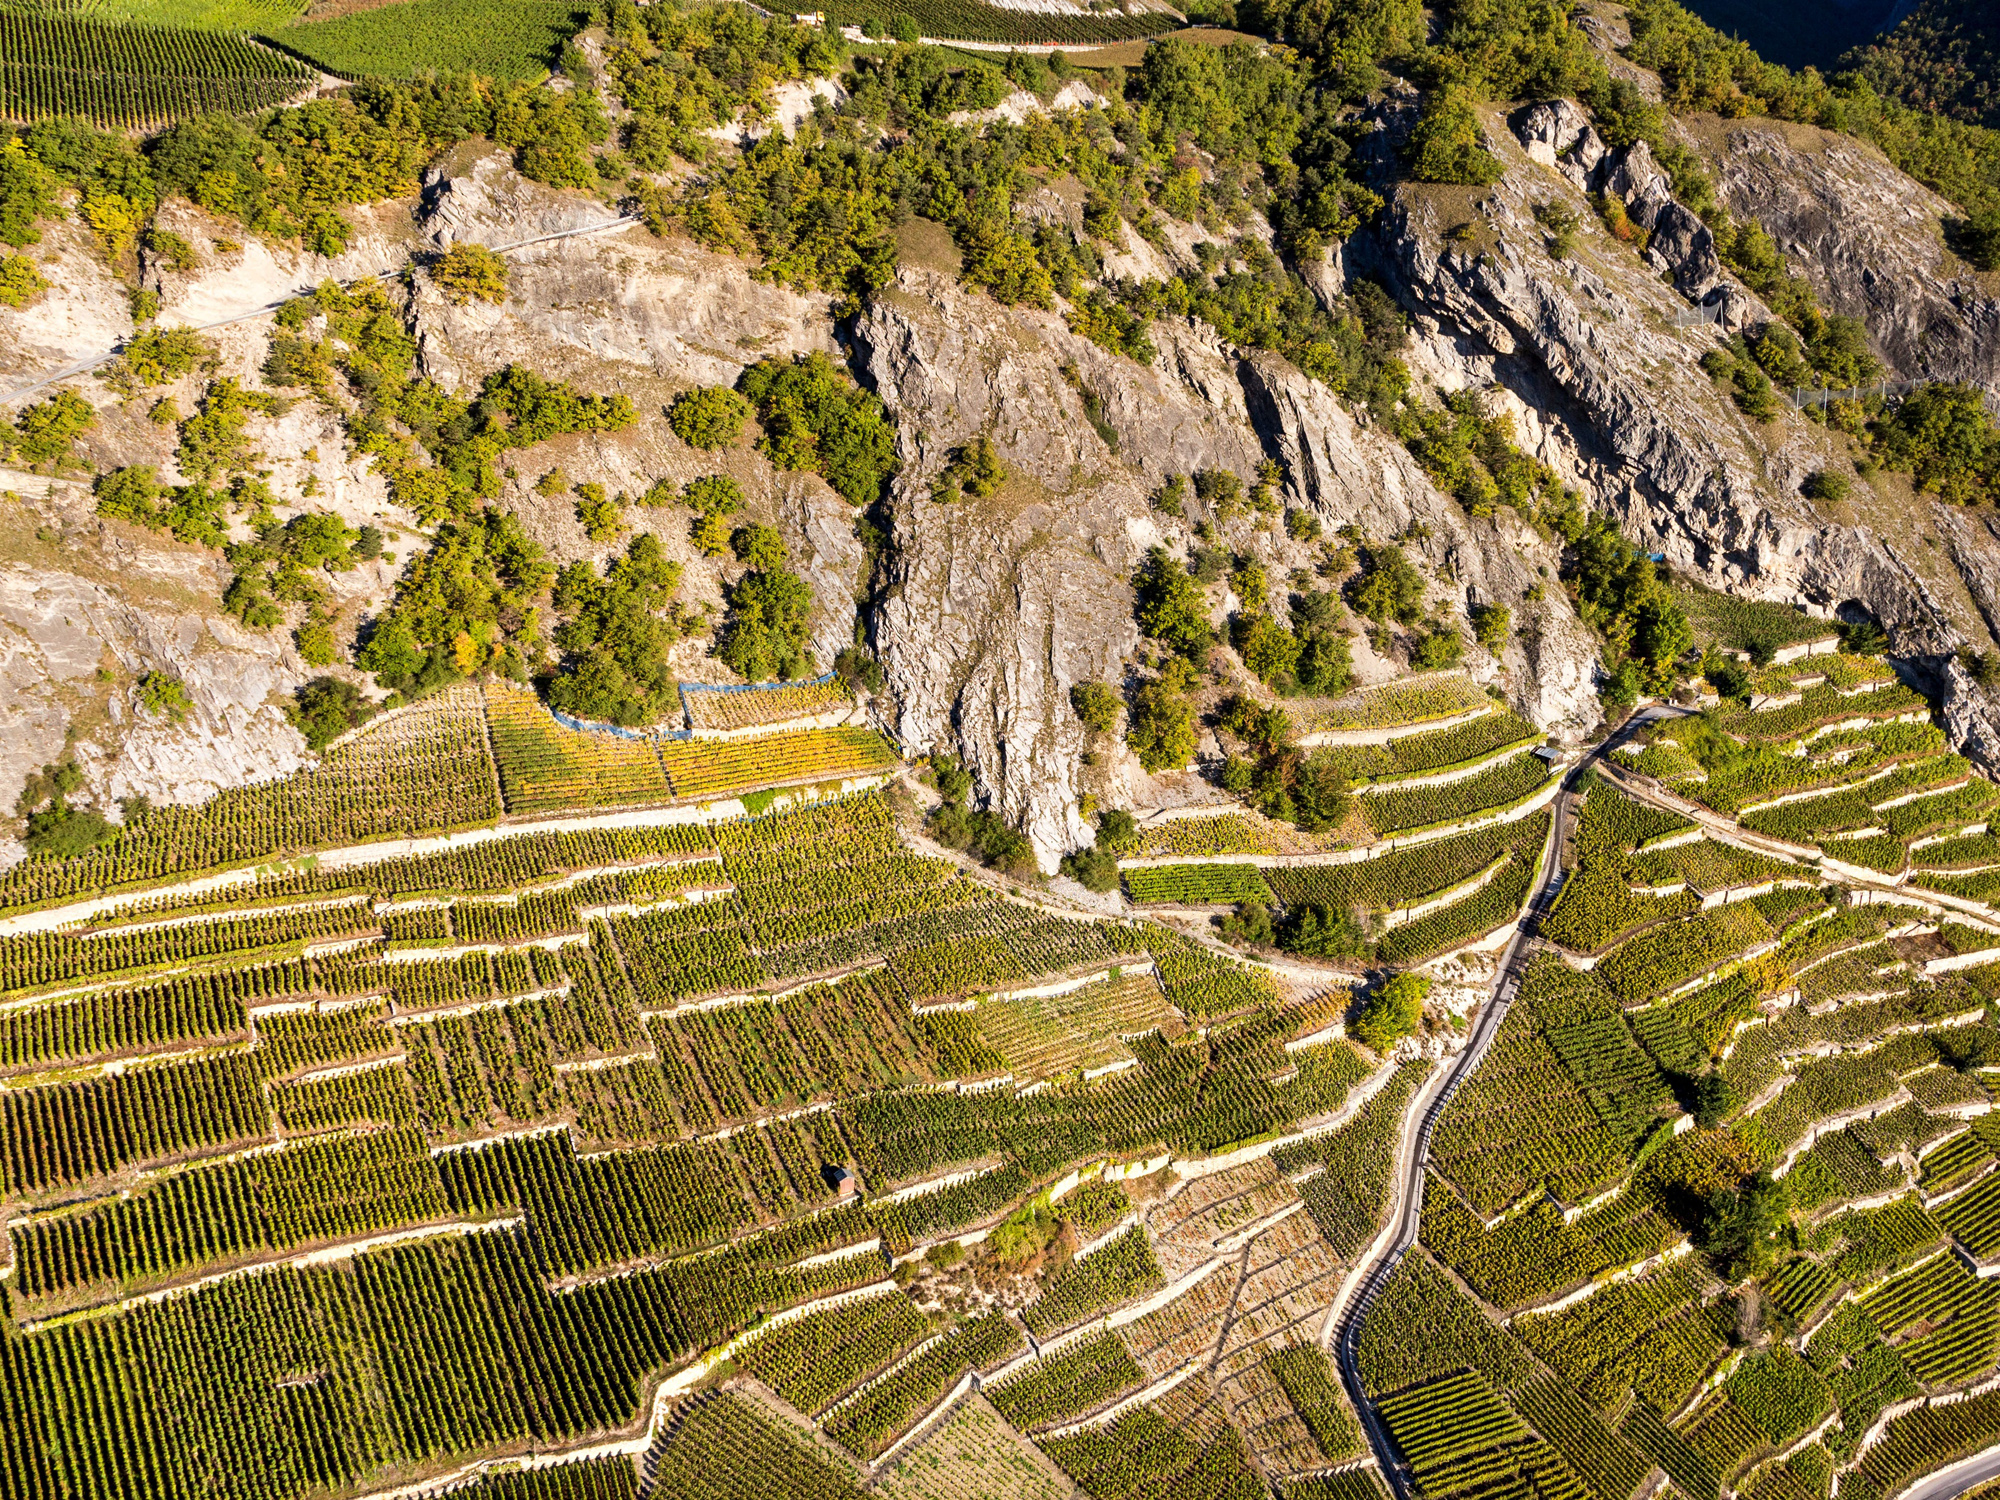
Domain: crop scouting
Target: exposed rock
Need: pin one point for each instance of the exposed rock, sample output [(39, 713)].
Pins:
[(487, 202), (1559, 134), (1871, 242), (1630, 416), (1683, 247), (994, 609)]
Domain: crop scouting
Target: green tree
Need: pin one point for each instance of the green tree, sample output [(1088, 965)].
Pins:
[(55, 829), (617, 632), (814, 417), (164, 695), (1490, 625), (1445, 146), (1094, 869), (1162, 730), (1743, 1227), (19, 281), (1269, 650), (470, 272), (325, 708), (1171, 606), (1317, 932), (1096, 704), (602, 517), (708, 417), (764, 638), (1388, 588), (45, 430), (316, 643), (757, 546), (1392, 1012)]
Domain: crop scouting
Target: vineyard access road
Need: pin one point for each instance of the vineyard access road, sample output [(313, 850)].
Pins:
[(623, 221), (1380, 1260)]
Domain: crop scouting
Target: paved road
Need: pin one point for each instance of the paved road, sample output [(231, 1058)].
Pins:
[(69, 371), (1957, 1479), (1506, 984)]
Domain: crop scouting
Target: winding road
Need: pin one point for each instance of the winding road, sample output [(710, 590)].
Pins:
[(1382, 1258), (1415, 1150)]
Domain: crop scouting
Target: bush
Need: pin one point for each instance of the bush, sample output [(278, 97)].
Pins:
[(1270, 651), (162, 694), (1096, 705), (617, 631), (1249, 923), (1388, 588), (1302, 525), (1826, 484), (1319, 932), (858, 669), (55, 829), (974, 470), (317, 647), (1094, 869), (1171, 607), (602, 517), (816, 418), (326, 708), (1162, 731), (1445, 146), (708, 417), (760, 547), (764, 638), (1438, 649), (1490, 624), (1392, 1012), (1941, 435), (45, 430), (19, 281), (468, 272)]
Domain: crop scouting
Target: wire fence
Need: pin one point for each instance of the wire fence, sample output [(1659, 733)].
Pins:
[(1690, 317)]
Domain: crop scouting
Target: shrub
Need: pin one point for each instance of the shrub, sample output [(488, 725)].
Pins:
[(45, 430), (317, 647), (19, 281), (816, 418), (1096, 704), (1388, 588), (163, 694), (616, 633), (1171, 607), (761, 547), (468, 272), (708, 417), (1445, 146), (601, 516), (1162, 731), (1438, 649), (1392, 1012), (974, 470), (1093, 868), (326, 708), (764, 638)]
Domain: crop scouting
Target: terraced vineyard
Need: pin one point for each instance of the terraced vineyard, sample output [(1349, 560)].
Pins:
[(538, 1119), (687, 1067)]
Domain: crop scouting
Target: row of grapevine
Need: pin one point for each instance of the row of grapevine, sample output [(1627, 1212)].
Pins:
[(125, 74)]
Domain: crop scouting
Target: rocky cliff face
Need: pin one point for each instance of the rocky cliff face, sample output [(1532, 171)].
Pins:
[(986, 612), (995, 608), (1595, 350), (1870, 240)]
